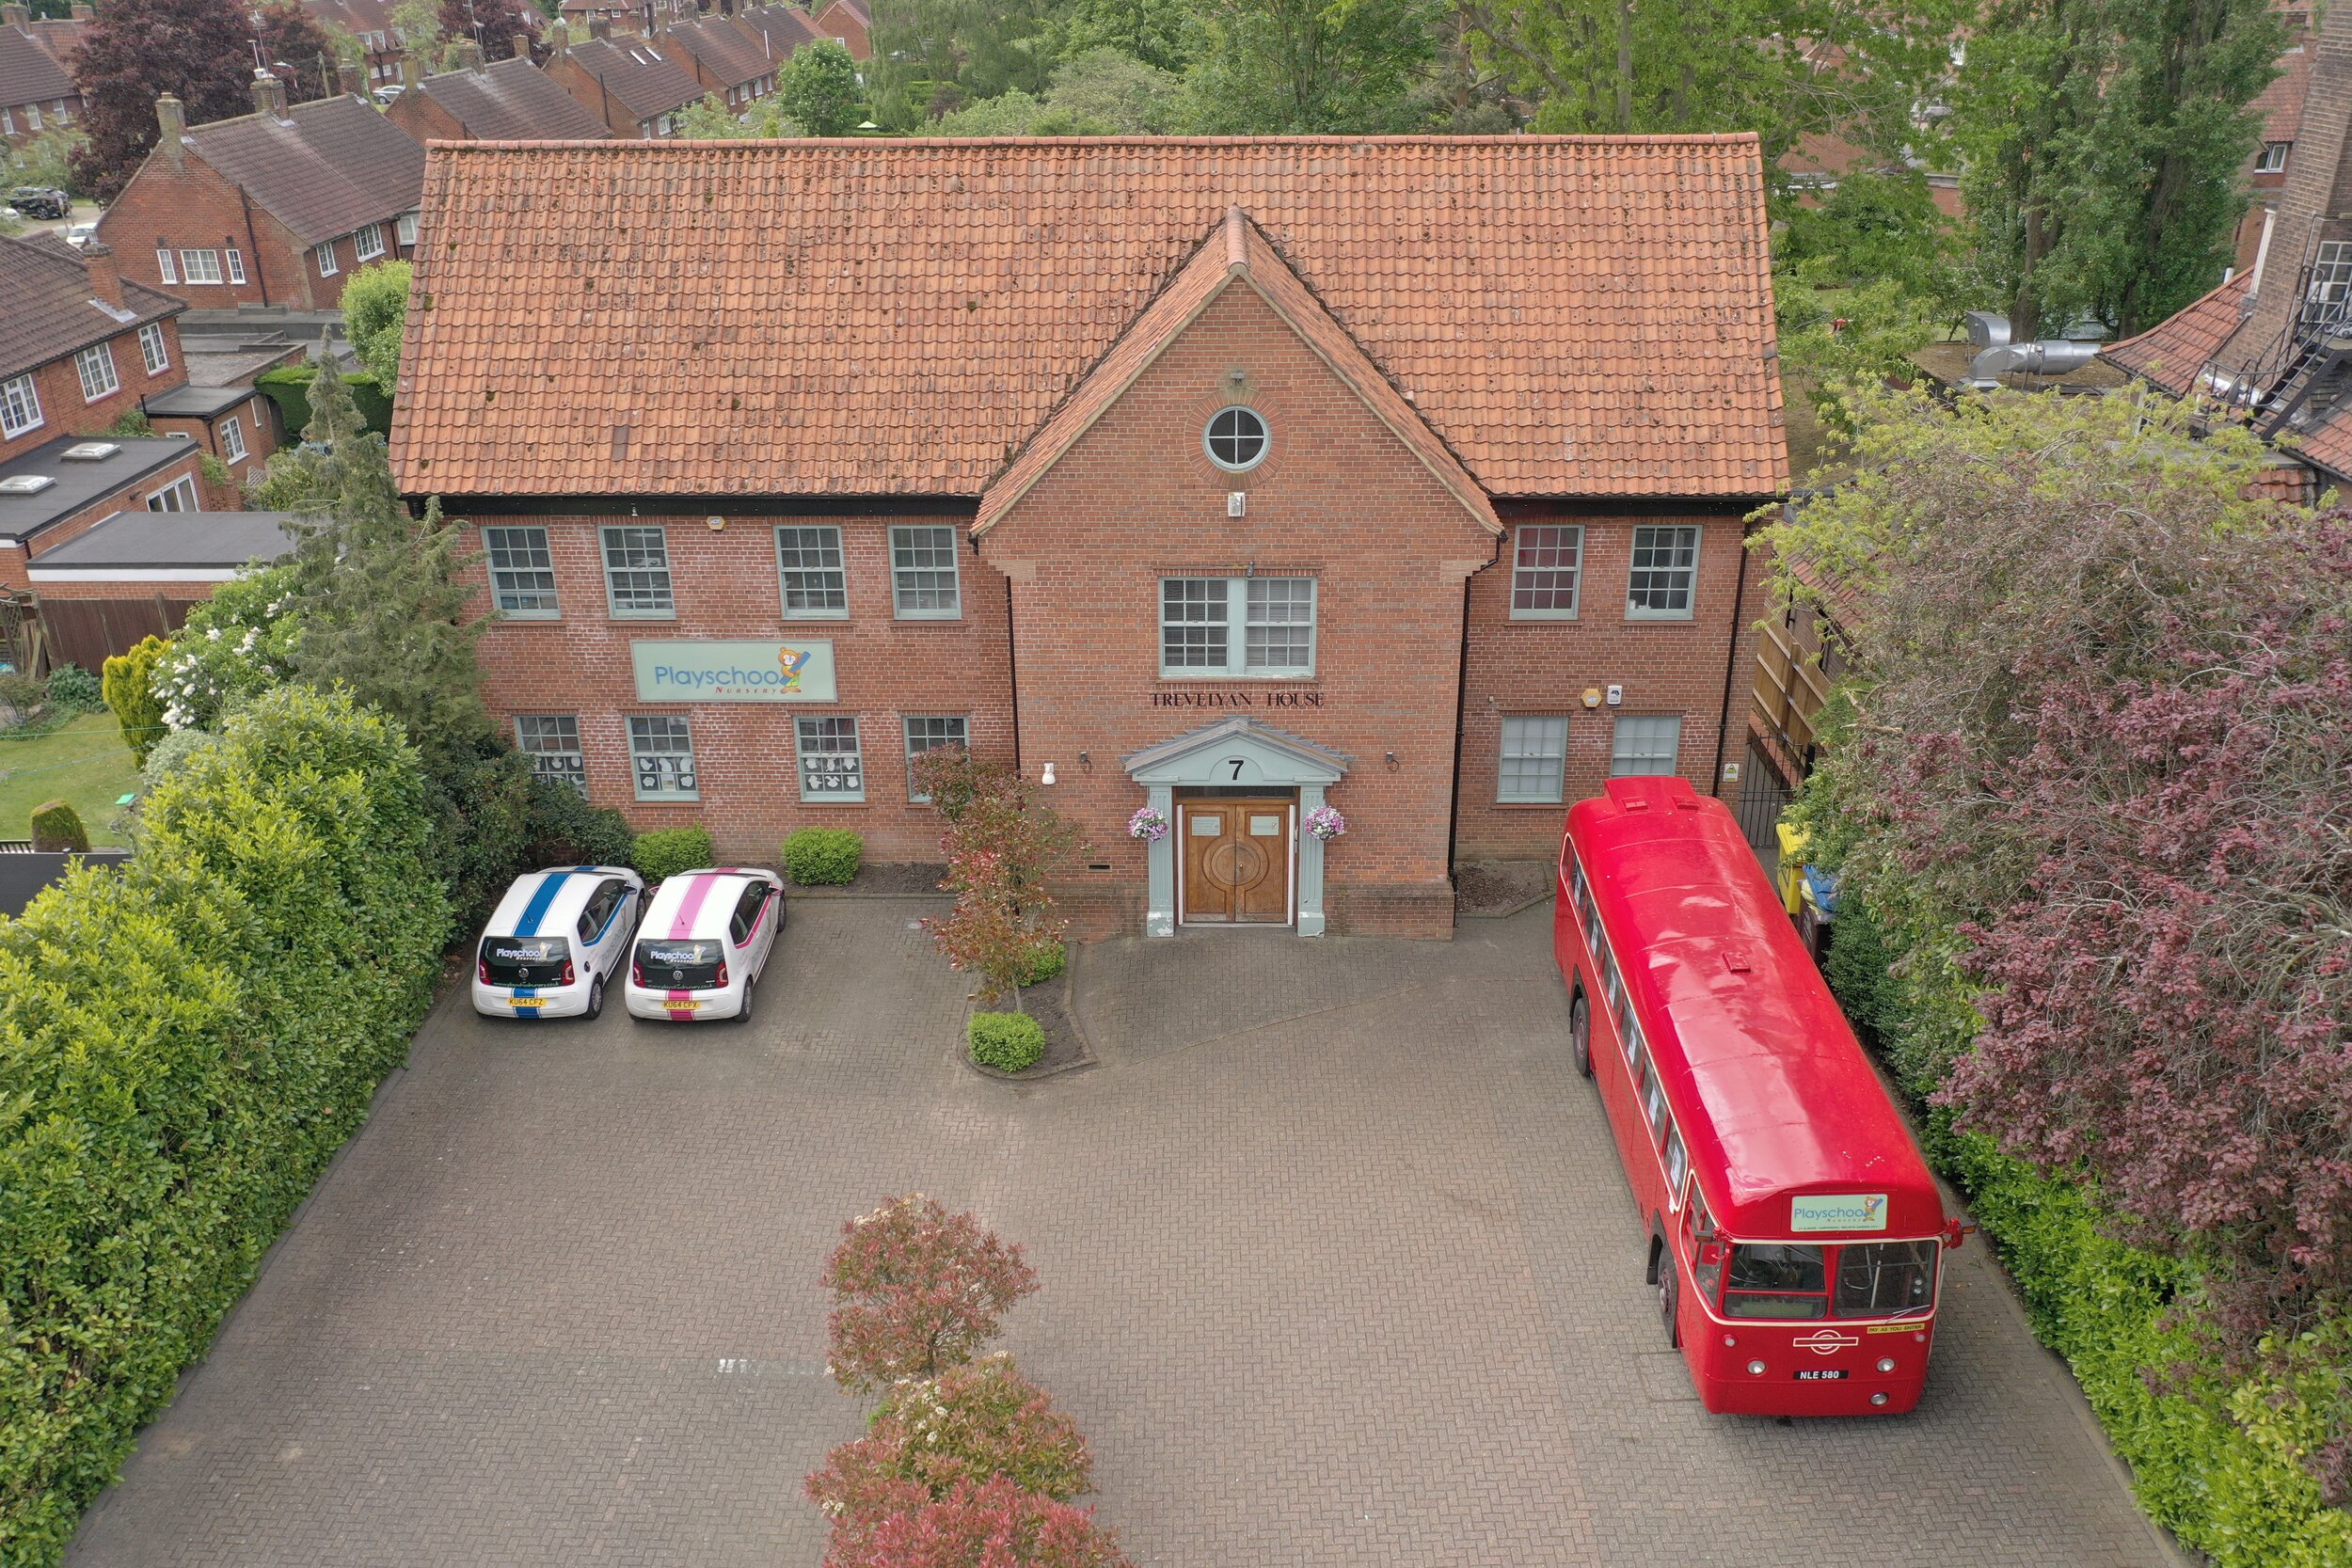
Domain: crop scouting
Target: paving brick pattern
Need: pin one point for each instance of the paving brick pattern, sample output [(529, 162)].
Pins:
[(1337, 1270)]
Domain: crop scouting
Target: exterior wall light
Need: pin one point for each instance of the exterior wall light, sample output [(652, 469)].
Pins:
[(1047, 777)]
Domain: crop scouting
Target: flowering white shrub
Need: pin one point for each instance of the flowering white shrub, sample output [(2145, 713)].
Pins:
[(236, 645)]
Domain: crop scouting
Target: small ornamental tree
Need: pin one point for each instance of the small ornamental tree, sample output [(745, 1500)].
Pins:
[(128, 681), (1002, 845), (991, 1525), (917, 1291)]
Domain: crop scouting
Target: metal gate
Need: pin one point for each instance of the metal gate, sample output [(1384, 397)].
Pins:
[(1763, 796)]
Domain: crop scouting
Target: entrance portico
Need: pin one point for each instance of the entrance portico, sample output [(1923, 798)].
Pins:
[(1235, 758)]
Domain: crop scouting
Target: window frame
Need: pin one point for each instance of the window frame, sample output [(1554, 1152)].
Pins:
[(20, 407), (839, 571), (405, 229), (323, 258), (635, 537), (1235, 617), (507, 537), (100, 358), (531, 743), (361, 238), (184, 487), (640, 751), (1521, 571), (899, 590), (232, 447), (235, 260), (154, 352), (906, 735), (1618, 754), (1209, 437), (1505, 757), (196, 263), (829, 726), (167, 264), (2273, 157), (1696, 539)]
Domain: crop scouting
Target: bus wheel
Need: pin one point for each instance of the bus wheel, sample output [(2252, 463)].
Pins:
[(1581, 1035), (1666, 1303)]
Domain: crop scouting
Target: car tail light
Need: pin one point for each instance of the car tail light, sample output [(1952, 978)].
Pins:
[(482, 967), (721, 981), (636, 973), (568, 973)]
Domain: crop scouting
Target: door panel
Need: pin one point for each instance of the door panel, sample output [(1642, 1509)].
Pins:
[(1205, 898), (1237, 861)]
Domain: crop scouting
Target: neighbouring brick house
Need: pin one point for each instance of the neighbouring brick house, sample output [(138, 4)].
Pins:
[(849, 22), (1232, 478), (625, 81), (726, 60), (2280, 107), (37, 92), (504, 101), (273, 208), (79, 344), (369, 24), (780, 29)]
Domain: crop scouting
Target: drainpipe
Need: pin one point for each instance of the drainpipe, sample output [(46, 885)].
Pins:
[(1461, 718), (1731, 667), (261, 278)]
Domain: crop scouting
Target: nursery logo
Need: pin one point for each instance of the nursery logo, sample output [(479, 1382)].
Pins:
[(719, 671), (1838, 1212)]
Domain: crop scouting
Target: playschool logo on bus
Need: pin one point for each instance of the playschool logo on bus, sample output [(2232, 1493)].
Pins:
[(717, 670), (1838, 1212)]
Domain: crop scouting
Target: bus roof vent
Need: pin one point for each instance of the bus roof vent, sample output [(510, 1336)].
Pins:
[(1634, 803), (1736, 960)]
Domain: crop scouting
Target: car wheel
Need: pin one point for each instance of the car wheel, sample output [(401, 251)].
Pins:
[(1581, 1035), (1667, 1286), (743, 1014), (595, 996)]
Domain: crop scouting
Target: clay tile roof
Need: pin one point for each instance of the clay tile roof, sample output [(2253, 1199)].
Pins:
[(335, 165), (1235, 249), (1573, 316), (2327, 444), (28, 72), (510, 99), (49, 312), (2172, 352), (2281, 104), (639, 77), (724, 50)]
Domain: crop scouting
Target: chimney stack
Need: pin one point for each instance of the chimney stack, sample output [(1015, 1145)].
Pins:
[(468, 55), (269, 95), (16, 15), (559, 40), (171, 127), (106, 280), (522, 46), (599, 27), (409, 71)]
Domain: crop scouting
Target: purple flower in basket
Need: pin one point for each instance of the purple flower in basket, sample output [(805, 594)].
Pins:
[(1326, 823), (1148, 824)]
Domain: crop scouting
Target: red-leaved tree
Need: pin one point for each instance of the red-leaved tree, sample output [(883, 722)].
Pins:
[(992, 1525), (1002, 845), (289, 36), (134, 51), (917, 1291), (966, 1425)]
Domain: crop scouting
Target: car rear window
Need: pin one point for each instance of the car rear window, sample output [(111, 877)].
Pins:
[(676, 964), (524, 960)]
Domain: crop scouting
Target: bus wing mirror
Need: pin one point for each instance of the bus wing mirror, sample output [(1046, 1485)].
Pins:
[(1955, 1232)]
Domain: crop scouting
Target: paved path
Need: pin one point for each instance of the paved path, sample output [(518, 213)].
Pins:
[(1337, 1270)]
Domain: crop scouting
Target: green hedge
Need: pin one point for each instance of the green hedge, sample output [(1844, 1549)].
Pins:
[(185, 1042), (822, 857), (289, 386), (2234, 1492), (1049, 967), (1005, 1042), (671, 851)]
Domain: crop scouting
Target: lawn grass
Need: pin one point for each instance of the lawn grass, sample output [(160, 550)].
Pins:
[(86, 762)]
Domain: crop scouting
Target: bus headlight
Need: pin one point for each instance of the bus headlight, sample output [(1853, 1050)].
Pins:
[(1755, 1369), (1877, 1399), (1886, 1363)]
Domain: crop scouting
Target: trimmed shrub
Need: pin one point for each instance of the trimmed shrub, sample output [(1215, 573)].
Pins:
[(22, 693), (565, 830), (918, 1290), (75, 690), (1049, 965), (128, 683), (56, 827), (200, 1031), (822, 857), (669, 850), (172, 752), (978, 1526), (1005, 1042)]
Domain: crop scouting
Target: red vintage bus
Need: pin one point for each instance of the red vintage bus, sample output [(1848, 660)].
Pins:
[(1795, 1231)]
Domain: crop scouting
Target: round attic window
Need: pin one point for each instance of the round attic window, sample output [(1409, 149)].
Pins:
[(1236, 438)]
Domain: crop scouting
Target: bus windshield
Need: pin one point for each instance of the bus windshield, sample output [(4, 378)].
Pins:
[(1774, 1279), (1885, 1279), (1874, 1279)]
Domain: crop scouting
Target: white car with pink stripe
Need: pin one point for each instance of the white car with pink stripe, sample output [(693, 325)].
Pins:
[(705, 939)]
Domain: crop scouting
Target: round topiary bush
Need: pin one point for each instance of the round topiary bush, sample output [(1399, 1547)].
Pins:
[(57, 826), (669, 850), (1007, 1041), (822, 857)]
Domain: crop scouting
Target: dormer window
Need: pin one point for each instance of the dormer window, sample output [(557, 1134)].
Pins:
[(1235, 439)]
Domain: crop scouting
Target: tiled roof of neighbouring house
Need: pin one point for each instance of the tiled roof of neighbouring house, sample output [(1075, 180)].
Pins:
[(782, 28), (728, 52), (512, 100), (1570, 315), (639, 77), (50, 310), (2281, 104), (28, 72), (2170, 353), (331, 166)]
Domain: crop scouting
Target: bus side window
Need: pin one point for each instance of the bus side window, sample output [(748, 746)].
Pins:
[(1636, 1047), (1678, 1162), (1705, 1248), (1653, 1100)]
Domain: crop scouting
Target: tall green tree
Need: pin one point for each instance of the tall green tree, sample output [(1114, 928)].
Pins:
[(932, 57), (1152, 31), (2100, 141), (818, 90), (375, 311), (1291, 67)]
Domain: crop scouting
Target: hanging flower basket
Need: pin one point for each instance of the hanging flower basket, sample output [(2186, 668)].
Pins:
[(1149, 824), (1326, 823)]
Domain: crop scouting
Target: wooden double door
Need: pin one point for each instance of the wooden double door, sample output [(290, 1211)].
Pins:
[(1234, 859)]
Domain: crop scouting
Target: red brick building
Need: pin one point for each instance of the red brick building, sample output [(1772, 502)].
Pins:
[(1229, 479), (510, 100), (624, 80), (849, 22), (37, 92), (273, 208)]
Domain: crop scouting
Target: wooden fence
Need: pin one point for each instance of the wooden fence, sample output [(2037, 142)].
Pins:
[(87, 632)]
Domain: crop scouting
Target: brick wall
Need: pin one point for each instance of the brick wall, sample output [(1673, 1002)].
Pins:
[(725, 586), (257, 419), (65, 412), (839, 20), (1340, 499), (185, 204), (1539, 667), (599, 101), (422, 119)]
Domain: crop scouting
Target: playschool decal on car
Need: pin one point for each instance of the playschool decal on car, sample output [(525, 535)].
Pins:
[(1838, 1212)]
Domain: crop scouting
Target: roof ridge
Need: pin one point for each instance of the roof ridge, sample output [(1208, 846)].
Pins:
[(677, 146)]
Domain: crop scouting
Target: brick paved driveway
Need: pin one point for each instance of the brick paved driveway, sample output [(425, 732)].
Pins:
[(1337, 1270)]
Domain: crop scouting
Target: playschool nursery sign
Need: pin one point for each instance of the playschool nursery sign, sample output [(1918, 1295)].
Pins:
[(795, 672)]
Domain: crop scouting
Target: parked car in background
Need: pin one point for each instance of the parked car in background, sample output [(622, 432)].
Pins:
[(554, 941), (40, 202), (80, 234), (706, 938), (384, 96)]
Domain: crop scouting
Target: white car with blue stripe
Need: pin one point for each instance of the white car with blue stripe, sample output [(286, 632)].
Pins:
[(554, 941)]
